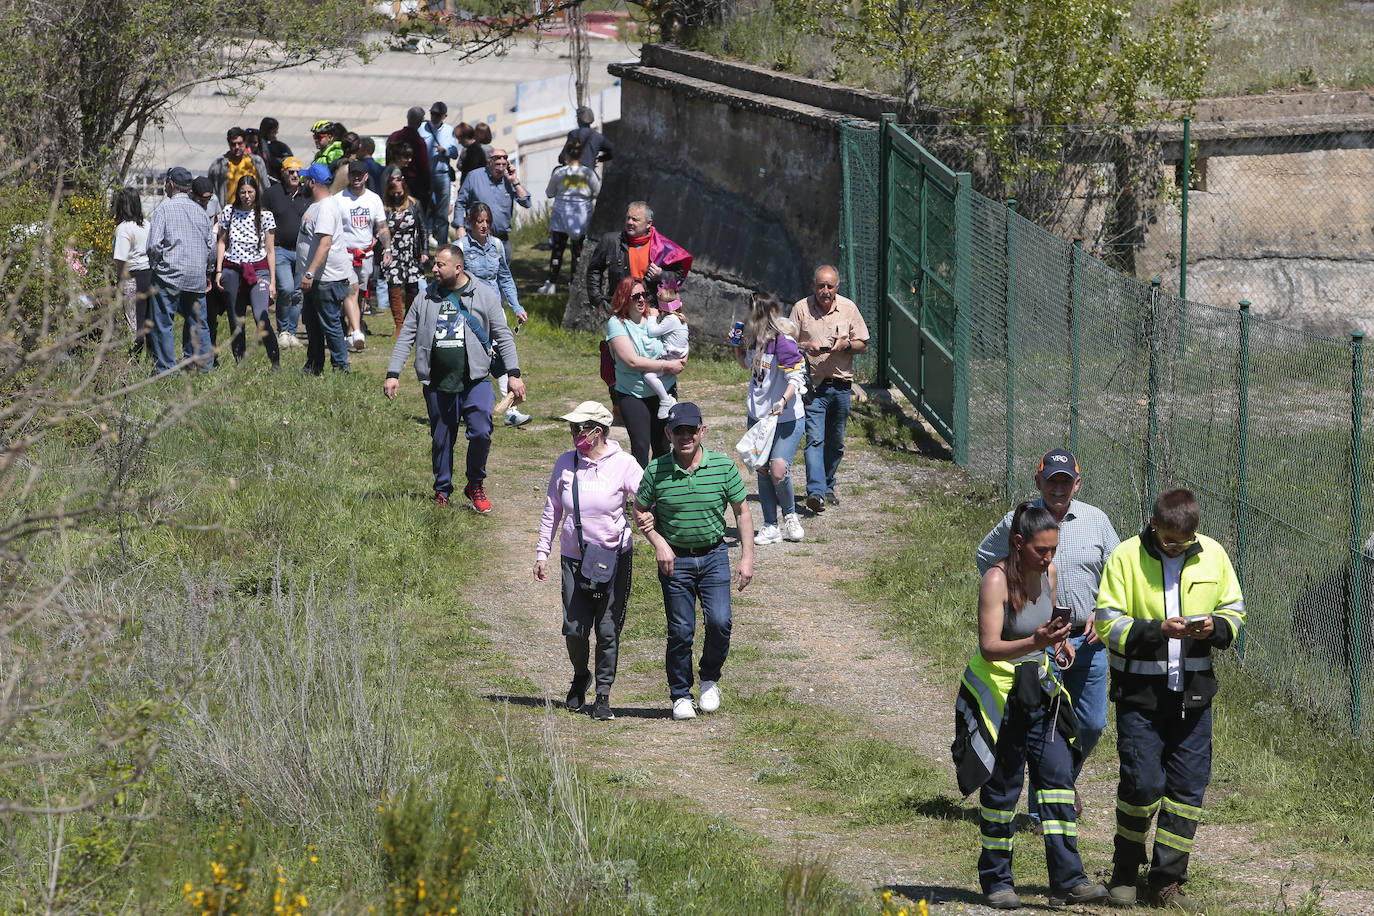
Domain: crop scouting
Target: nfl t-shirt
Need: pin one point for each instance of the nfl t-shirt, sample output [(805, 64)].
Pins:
[(360, 215), (448, 361)]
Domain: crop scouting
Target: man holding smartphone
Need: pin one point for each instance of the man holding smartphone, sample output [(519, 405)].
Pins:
[(1169, 596), (1086, 539)]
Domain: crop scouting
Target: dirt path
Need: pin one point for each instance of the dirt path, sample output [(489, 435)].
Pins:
[(797, 627)]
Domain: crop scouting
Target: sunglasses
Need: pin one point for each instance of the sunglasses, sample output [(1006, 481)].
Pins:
[(1175, 545), (639, 297), (586, 427), (500, 159), (685, 430)]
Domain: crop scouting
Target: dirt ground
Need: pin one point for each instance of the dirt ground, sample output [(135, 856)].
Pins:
[(809, 635)]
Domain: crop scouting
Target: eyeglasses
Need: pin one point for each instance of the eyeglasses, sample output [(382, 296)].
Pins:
[(586, 427)]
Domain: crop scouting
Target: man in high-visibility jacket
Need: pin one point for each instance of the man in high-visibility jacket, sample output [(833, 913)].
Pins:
[(1168, 597)]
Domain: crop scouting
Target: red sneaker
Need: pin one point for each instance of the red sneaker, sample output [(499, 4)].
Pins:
[(478, 495), (440, 499)]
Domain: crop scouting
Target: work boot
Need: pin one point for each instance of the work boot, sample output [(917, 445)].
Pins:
[(1171, 897), (1086, 892), (1121, 888), (1004, 899)]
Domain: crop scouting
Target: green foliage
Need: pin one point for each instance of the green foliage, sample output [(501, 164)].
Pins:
[(427, 846)]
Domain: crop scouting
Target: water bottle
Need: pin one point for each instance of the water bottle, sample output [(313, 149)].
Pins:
[(737, 335)]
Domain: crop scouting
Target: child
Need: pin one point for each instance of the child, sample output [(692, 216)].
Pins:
[(669, 324)]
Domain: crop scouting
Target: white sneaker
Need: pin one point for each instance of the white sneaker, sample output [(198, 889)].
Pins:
[(516, 418), (710, 696), (683, 709), (791, 525), (768, 534), (665, 405), (284, 340), (548, 289)]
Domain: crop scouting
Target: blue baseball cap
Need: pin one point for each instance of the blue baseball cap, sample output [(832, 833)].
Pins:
[(683, 413), (318, 172)]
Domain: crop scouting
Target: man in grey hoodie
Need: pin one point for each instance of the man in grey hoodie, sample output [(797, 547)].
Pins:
[(457, 331)]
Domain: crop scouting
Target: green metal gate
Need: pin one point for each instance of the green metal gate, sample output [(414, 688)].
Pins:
[(923, 274)]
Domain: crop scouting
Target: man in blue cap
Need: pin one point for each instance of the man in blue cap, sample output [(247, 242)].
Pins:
[(680, 507), (327, 269)]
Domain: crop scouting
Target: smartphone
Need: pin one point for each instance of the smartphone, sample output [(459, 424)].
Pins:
[(1062, 612), (1197, 621), (824, 349)]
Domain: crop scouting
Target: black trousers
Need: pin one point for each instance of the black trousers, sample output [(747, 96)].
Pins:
[(584, 614)]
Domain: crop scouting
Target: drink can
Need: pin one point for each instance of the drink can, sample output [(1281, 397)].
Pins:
[(737, 335)]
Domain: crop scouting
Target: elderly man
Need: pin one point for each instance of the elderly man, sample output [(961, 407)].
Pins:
[(629, 253), (830, 331), (225, 172), (454, 332), (1086, 539), (179, 234), (442, 148), (288, 202), (499, 188)]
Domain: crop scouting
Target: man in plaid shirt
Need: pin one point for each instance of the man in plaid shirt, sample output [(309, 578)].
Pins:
[(178, 237)]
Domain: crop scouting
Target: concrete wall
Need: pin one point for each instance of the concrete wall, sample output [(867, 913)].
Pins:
[(749, 183)]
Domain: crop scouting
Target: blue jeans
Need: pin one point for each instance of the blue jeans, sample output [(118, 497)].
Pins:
[(190, 305), (826, 419), (771, 494), (288, 293), (705, 578), (439, 185), (1086, 681), (472, 406), (322, 303)]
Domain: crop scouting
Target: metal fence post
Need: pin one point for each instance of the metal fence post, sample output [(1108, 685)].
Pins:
[(1183, 233), (1242, 457), (1355, 604), (1152, 428), (1075, 255), (963, 312), (1011, 346), (884, 179)]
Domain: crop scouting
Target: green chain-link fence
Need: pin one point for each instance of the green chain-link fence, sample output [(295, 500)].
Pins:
[(1264, 422)]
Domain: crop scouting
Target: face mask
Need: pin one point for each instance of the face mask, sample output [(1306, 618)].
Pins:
[(583, 443)]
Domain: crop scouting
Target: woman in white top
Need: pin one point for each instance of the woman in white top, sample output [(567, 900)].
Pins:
[(131, 263), (573, 188), (243, 270)]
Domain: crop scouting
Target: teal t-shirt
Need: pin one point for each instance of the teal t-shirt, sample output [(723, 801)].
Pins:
[(448, 361), (689, 509), (631, 381)]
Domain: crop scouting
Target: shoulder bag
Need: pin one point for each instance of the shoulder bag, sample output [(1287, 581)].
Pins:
[(598, 563)]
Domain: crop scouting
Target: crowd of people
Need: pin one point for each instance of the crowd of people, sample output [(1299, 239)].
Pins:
[(1064, 607)]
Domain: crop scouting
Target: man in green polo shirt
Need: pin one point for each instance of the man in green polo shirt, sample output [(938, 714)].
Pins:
[(680, 506)]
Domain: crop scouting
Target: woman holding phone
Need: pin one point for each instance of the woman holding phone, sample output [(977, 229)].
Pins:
[(1013, 711)]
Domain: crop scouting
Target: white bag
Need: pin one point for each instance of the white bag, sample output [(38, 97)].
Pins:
[(757, 443)]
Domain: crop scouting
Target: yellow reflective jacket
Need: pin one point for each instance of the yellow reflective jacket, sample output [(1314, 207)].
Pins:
[(1130, 611)]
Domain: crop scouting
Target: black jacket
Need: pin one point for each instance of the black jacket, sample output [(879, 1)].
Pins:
[(610, 264)]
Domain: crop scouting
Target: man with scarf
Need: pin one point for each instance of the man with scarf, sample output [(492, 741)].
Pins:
[(457, 332), (640, 251)]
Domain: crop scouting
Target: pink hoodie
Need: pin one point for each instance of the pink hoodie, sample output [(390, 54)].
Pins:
[(603, 485)]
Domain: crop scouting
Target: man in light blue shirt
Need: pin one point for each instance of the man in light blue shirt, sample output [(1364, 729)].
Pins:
[(442, 146), (498, 187)]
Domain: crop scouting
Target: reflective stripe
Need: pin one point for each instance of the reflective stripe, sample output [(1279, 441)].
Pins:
[(1108, 614), (1060, 828), (1116, 635), (1173, 840), (972, 719), (997, 843), (1055, 796), (1142, 666), (987, 698), (998, 817), (1133, 835), (1179, 809), (1136, 810)]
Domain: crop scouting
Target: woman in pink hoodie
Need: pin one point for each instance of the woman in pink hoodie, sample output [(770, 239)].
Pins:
[(606, 478)]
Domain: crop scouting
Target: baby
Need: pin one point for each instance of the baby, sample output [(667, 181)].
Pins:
[(669, 325)]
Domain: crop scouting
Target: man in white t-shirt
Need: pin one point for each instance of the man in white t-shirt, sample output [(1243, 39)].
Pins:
[(327, 270), (367, 240)]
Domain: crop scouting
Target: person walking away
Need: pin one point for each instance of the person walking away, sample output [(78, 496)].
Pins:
[(179, 234), (680, 506), (326, 269), (409, 253), (500, 189), (831, 331), (418, 171), (667, 323), (1169, 598), (454, 332), (1086, 539), (593, 147), (130, 254), (585, 502), (777, 380), (367, 148), (441, 146), (274, 152), (364, 234), (1013, 712), (244, 270), (288, 202), (485, 260), (573, 187)]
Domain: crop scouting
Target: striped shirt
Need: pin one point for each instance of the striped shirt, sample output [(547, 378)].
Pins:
[(179, 235), (1086, 539), (689, 508)]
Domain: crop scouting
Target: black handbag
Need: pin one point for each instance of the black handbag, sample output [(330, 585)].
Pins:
[(598, 563)]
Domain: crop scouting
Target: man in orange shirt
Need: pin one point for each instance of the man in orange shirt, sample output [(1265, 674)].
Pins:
[(830, 331)]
